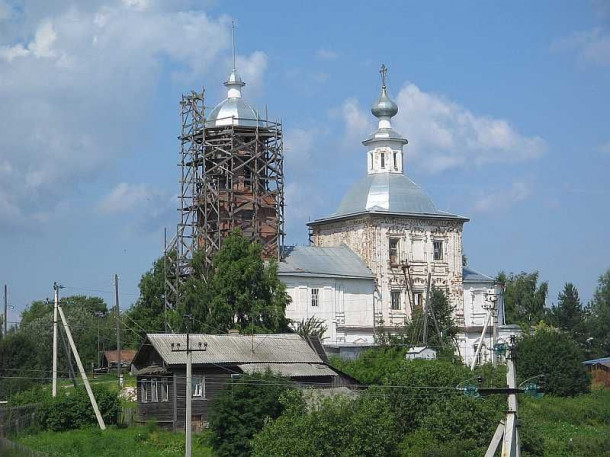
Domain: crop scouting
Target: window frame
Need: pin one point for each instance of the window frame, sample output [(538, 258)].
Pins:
[(440, 255), (315, 297), (395, 306), (154, 392), (382, 160), (198, 393), (144, 388), (394, 258), (164, 389)]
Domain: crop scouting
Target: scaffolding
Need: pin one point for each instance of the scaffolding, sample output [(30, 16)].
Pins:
[(231, 177)]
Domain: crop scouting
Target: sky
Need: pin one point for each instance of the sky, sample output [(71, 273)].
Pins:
[(504, 104)]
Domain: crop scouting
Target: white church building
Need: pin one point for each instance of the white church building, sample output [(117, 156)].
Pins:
[(370, 261)]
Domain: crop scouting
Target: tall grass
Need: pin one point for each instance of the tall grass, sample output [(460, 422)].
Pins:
[(136, 441)]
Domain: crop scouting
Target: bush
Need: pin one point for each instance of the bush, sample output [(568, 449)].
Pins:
[(557, 356), (71, 409), (337, 426), (241, 409)]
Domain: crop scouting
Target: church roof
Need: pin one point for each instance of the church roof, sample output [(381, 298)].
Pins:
[(314, 261), (388, 193), (469, 275)]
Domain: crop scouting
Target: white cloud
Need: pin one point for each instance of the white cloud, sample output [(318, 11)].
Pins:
[(443, 134), (76, 84), (125, 197), (326, 54), (591, 45), (494, 202)]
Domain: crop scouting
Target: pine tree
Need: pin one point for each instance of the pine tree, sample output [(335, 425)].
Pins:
[(568, 315)]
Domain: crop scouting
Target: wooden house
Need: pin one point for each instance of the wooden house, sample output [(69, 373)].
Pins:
[(110, 359), (161, 370)]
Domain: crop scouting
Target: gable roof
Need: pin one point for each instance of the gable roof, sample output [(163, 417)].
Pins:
[(127, 355), (469, 275), (231, 349), (314, 261)]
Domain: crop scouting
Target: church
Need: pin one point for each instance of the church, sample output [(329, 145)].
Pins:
[(373, 260)]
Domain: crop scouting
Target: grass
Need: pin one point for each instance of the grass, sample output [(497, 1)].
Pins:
[(574, 427), (148, 441)]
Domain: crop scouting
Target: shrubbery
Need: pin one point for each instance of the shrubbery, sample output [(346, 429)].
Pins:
[(71, 409), (241, 410), (556, 355)]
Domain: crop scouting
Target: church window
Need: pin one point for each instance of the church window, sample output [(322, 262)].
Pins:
[(438, 249), (382, 160), (394, 251), (370, 160), (395, 161), (395, 298), (315, 297), (419, 298)]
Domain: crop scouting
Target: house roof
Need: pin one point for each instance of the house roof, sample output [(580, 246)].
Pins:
[(232, 349), (470, 275), (127, 355), (337, 262), (603, 361)]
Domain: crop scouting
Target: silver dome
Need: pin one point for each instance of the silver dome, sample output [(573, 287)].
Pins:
[(384, 106), (233, 111), (388, 193)]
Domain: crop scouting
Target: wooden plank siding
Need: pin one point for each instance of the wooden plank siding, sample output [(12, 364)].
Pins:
[(171, 413)]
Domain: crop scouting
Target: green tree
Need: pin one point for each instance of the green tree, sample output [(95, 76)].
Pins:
[(149, 310), (240, 291), (568, 315), (241, 409), (599, 319), (18, 367), (337, 426), (524, 298), (555, 355)]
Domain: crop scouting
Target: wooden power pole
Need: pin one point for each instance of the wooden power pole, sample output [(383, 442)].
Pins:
[(5, 310), (118, 330), (55, 309)]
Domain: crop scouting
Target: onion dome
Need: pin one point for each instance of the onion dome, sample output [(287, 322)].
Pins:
[(384, 106)]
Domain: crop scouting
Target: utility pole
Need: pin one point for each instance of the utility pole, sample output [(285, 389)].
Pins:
[(507, 432), (118, 329), (5, 310), (491, 300), (189, 380), (56, 288), (426, 306), (98, 415)]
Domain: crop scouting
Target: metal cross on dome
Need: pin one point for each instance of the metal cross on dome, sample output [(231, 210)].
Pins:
[(384, 72)]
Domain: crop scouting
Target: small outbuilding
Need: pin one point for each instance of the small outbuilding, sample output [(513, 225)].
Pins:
[(421, 352), (110, 359), (600, 371), (161, 370)]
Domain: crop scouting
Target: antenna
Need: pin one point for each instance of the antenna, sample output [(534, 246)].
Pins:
[(233, 41)]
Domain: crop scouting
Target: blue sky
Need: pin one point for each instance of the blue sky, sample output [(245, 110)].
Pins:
[(505, 106)]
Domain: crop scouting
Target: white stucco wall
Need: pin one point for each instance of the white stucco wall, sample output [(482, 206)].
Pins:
[(346, 306), (369, 237)]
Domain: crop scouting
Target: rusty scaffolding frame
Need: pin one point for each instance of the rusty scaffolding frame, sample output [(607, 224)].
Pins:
[(231, 176)]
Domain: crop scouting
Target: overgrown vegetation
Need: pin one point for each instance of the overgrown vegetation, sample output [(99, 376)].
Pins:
[(242, 409), (556, 355), (71, 408), (147, 441)]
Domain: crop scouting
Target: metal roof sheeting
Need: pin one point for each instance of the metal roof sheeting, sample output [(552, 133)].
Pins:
[(391, 193), (235, 349), (339, 261), (469, 275), (292, 370)]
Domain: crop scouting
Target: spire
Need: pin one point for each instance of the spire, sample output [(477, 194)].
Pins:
[(234, 83), (385, 108)]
